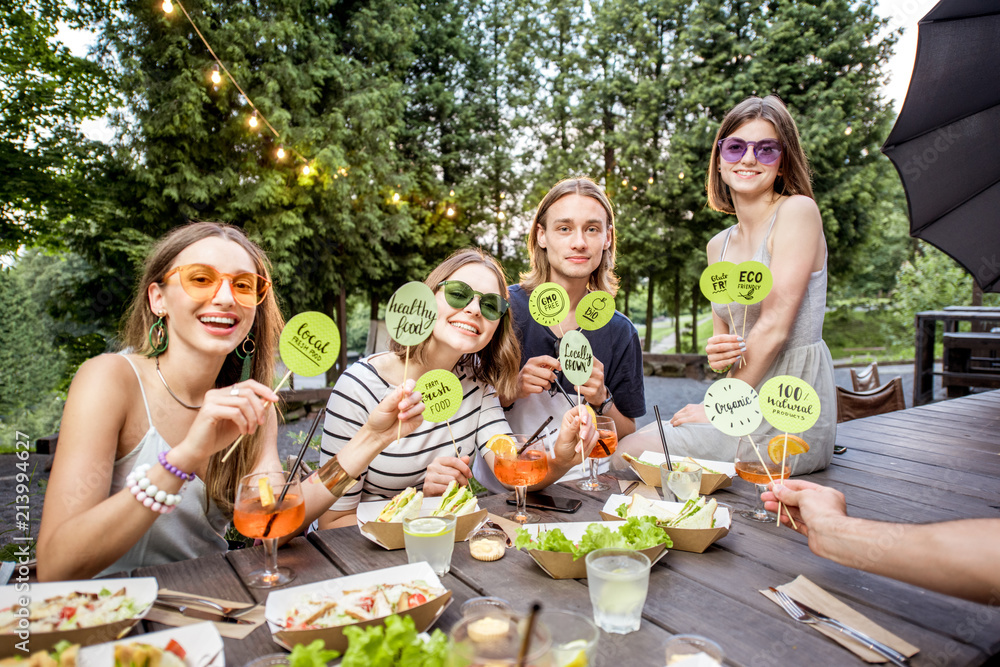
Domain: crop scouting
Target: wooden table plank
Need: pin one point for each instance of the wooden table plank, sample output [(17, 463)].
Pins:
[(308, 564)]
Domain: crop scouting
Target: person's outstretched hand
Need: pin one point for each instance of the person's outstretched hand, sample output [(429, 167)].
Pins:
[(815, 508)]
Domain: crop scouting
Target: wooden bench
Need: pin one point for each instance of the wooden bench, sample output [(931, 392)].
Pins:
[(971, 359)]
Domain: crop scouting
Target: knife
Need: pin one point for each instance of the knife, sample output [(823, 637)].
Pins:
[(191, 612), (876, 645)]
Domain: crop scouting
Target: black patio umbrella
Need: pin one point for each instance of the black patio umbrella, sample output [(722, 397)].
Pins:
[(946, 142)]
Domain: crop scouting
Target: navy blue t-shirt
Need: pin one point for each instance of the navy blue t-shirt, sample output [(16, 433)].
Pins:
[(616, 344)]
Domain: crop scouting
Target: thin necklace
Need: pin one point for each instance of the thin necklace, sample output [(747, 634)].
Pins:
[(171, 391)]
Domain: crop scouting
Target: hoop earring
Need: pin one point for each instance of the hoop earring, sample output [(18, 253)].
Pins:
[(247, 356), (158, 337)]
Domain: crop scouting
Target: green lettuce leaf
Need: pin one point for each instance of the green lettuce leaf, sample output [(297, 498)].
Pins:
[(642, 532), (622, 510), (312, 655), (395, 643)]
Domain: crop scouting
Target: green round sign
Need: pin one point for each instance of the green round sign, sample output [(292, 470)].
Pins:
[(732, 407), (441, 393), (549, 304), (714, 280), (749, 282), (789, 404), (309, 343), (411, 314), (595, 310), (576, 357)]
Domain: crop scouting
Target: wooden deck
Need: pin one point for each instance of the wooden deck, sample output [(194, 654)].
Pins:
[(931, 463)]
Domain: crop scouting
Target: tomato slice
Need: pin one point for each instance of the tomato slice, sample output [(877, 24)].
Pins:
[(367, 603), (67, 613), (416, 599), (176, 649)]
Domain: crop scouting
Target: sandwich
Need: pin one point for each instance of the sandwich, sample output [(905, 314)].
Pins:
[(457, 500), (634, 461), (696, 513), (402, 505)]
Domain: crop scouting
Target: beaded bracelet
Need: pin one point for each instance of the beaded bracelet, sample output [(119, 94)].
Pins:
[(721, 370), (148, 494), (174, 470)]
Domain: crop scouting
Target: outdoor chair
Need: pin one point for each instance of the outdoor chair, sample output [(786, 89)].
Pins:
[(858, 404), (866, 379)]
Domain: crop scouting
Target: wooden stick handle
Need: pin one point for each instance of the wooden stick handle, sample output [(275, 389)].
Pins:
[(232, 448)]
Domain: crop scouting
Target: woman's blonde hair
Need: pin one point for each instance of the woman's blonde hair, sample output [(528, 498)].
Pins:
[(603, 277), (222, 478), (496, 364), (794, 168)]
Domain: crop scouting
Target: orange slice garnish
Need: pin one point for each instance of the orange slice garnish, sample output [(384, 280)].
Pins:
[(776, 446), (266, 493), (503, 446)]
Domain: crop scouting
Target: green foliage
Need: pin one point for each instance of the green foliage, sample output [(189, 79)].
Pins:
[(30, 366), (44, 160), (930, 281)]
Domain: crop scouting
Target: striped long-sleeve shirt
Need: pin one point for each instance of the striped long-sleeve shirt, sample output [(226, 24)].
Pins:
[(404, 463)]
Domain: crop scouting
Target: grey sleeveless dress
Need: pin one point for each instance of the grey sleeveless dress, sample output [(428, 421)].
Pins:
[(194, 529), (804, 355)]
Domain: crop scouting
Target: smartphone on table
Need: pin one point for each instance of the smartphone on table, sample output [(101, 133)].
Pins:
[(543, 501)]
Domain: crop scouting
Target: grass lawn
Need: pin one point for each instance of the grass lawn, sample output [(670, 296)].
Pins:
[(858, 336)]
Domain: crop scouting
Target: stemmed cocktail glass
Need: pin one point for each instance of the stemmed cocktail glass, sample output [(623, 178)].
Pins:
[(259, 515), (607, 443), (519, 467), (754, 464)]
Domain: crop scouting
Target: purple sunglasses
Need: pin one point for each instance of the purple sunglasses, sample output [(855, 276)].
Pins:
[(766, 151)]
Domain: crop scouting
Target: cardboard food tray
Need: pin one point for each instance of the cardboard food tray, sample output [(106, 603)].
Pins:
[(695, 540), (390, 535), (279, 601), (142, 590), (710, 483), (201, 642), (560, 565)]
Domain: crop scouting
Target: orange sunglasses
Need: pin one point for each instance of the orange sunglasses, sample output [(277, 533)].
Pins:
[(202, 282)]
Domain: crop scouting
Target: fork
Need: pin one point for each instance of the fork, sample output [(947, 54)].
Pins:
[(231, 612), (793, 609)]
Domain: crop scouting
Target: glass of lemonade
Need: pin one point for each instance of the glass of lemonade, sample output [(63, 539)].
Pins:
[(618, 580), (574, 637), (431, 539), (684, 481)]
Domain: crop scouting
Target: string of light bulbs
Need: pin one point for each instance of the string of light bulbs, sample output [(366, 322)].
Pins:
[(257, 116)]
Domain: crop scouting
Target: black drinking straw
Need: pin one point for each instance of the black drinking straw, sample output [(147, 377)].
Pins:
[(295, 468), (563, 391), (663, 438), (534, 435), (522, 653)]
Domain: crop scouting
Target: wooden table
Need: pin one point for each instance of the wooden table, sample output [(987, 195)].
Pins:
[(931, 463), (926, 335)]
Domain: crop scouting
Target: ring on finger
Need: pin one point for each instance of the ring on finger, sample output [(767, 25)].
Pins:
[(235, 391)]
